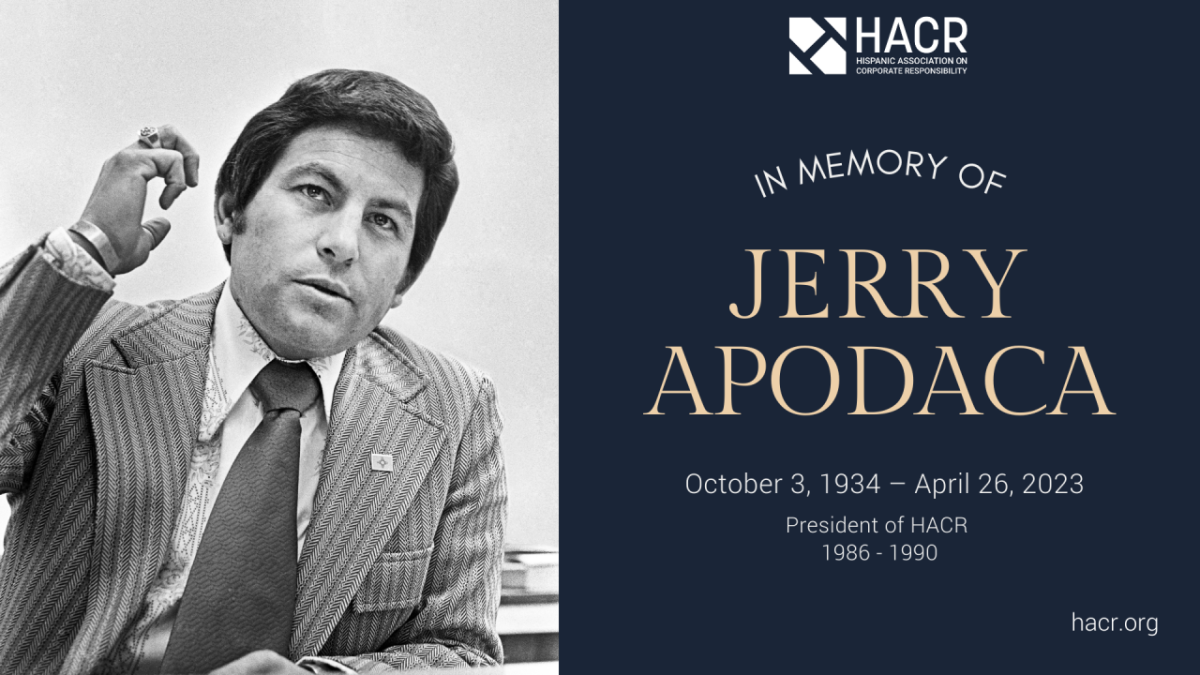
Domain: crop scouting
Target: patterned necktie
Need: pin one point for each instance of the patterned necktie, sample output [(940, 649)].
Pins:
[(241, 592)]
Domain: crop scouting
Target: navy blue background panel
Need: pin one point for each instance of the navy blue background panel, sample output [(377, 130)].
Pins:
[(1085, 114)]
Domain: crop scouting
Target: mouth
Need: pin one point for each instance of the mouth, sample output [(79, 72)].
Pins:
[(328, 287)]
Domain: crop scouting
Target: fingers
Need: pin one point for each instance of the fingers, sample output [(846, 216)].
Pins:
[(175, 150), (173, 140), (157, 229), (118, 199), (152, 233), (170, 165)]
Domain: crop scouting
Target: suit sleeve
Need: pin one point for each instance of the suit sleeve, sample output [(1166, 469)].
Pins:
[(42, 315), (456, 626)]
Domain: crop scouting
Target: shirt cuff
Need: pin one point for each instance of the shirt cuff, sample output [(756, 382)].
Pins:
[(320, 664), (74, 263)]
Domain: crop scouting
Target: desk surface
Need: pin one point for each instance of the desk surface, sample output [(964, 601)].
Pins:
[(537, 668)]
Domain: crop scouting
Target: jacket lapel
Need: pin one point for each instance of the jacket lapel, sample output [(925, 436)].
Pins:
[(356, 510), (146, 401)]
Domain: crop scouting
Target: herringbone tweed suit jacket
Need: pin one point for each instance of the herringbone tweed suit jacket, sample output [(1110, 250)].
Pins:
[(99, 407)]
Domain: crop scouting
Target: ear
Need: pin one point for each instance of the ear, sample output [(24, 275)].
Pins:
[(401, 288), (223, 214)]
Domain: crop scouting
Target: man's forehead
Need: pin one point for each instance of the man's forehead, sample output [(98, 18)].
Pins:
[(345, 155)]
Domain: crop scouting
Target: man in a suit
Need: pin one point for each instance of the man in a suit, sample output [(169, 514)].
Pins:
[(258, 478)]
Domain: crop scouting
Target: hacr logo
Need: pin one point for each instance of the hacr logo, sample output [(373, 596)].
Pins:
[(822, 45)]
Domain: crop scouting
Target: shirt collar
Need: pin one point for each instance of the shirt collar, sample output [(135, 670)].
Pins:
[(239, 353)]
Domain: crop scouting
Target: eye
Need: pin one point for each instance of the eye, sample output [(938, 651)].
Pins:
[(315, 192), (383, 222)]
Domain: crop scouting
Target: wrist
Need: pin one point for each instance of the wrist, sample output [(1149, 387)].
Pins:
[(70, 258), (86, 245), (93, 240)]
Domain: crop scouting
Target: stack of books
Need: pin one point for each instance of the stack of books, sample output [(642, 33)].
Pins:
[(530, 570)]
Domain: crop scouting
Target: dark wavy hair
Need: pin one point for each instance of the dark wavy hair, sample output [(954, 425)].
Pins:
[(368, 103)]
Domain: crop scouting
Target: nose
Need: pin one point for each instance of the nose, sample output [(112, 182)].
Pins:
[(337, 242)]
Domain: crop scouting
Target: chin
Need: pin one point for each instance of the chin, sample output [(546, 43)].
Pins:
[(312, 337)]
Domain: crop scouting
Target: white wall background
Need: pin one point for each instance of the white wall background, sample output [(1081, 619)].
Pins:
[(80, 78)]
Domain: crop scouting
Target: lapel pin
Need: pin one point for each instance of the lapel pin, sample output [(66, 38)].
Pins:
[(381, 462)]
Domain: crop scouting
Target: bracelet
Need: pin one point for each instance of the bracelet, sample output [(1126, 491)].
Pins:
[(89, 231)]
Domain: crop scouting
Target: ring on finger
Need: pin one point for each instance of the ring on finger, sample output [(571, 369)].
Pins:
[(148, 137)]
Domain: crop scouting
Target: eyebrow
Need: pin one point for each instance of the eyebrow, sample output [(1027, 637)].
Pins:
[(320, 170), (401, 207), (330, 177)]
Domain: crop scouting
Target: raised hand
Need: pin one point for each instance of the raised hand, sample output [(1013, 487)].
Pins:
[(119, 197)]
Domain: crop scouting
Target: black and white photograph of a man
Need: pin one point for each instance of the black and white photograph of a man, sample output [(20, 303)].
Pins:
[(237, 435)]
